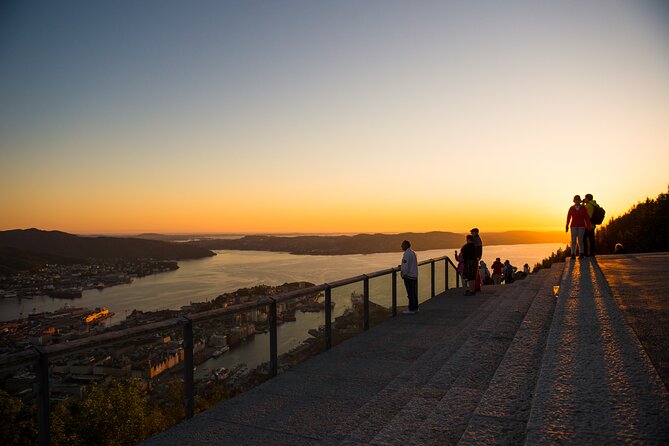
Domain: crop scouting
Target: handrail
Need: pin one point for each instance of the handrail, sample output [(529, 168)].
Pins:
[(25, 357), (41, 355), (289, 295)]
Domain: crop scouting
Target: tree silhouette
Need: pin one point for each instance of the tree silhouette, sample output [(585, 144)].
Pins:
[(644, 228), (17, 423)]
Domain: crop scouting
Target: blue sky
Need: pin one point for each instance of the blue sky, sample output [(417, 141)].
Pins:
[(258, 116)]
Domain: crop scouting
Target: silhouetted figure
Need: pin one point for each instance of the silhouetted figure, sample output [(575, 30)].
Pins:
[(409, 272), (497, 271), (479, 254), (526, 268), (484, 273), (471, 261), (578, 217), (590, 205), (461, 266), (508, 272), (619, 249)]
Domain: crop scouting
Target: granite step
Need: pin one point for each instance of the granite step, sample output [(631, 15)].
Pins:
[(427, 379), (502, 414), (598, 385), (448, 417)]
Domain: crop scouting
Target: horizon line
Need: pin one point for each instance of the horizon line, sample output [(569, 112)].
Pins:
[(272, 233)]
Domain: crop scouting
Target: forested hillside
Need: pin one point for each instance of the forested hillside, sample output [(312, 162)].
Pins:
[(644, 228)]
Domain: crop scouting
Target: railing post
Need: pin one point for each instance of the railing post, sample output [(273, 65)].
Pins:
[(432, 278), (394, 293), (365, 290), (446, 274), (273, 356), (457, 279), (43, 403), (189, 382), (328, 317)]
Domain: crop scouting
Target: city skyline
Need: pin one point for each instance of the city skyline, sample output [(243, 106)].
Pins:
[(337, 117)]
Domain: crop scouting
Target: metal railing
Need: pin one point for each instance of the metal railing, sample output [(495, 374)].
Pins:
[(41, 356)]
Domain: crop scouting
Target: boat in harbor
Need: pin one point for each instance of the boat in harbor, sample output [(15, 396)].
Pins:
[(220, 351), (98, 315), (221, 373)]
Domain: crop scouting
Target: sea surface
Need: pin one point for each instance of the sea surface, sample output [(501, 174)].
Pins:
[(204, 279)]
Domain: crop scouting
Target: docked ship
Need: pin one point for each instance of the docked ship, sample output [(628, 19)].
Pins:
[(98, 315), (220, 351)]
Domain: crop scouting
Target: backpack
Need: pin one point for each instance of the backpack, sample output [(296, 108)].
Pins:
[(597, 215)]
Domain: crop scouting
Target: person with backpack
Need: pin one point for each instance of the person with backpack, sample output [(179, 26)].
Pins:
[(579, 221), (471, 261), (596, 215)]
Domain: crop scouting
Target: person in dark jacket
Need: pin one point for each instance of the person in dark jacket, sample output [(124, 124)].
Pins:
[(497, 271), (479, 253), (509, 270), (471, 261), (589, 239)]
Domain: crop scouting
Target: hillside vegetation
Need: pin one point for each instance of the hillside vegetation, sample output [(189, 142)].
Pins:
[(644, 228), (29, 249)]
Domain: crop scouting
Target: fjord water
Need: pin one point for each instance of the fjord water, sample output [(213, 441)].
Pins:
[(204, 279)]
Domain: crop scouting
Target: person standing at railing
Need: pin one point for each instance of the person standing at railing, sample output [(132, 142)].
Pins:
[(479, 254), (409, 272), (461, 265), (468, 253)]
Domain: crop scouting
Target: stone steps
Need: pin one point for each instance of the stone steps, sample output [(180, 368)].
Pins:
[(502, 414), (453, 373), (450, 417), (598, 385)]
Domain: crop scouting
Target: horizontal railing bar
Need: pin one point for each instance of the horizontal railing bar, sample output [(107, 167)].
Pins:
[(383, 272), (436, 259), (110, 337), (347, 281), (299, 293), (229, 311)]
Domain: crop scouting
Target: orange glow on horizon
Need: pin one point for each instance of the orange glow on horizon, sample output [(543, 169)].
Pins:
[(420, 119)]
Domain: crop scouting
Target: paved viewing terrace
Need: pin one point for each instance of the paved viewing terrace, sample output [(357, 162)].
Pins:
[(510, 365)]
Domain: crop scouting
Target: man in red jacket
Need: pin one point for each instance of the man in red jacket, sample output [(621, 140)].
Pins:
[(578, 216)]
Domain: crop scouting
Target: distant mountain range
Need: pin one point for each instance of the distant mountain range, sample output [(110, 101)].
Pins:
[(29, 249), (371, 243), (22, 248)]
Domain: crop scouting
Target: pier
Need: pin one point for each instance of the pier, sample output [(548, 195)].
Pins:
[(516, 364)]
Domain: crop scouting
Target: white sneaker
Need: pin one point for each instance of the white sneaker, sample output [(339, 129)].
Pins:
[(408, 312)]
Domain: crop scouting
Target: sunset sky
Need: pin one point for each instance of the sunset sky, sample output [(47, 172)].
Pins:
[(328, 116)]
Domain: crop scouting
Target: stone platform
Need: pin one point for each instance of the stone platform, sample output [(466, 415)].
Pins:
[(510, 365)]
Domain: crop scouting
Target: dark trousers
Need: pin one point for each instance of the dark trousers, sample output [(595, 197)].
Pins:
[(412, 292), (589, 240)]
